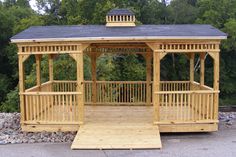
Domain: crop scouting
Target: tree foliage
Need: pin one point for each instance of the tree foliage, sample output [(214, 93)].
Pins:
[(17, 15)]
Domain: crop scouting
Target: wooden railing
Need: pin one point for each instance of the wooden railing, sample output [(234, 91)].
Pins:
[(64, 86), (180, 101), (187, 106), (46, 87), (43, 107), (175, 85), (121, 92)]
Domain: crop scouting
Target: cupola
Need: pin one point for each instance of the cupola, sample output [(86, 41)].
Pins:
[(120, 18)]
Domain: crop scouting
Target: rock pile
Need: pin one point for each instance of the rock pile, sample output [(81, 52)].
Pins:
[(227, 117), (10, 132)]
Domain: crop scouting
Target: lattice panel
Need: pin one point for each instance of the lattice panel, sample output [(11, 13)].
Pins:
[(116, 50), (50, 48), (120, 18), (188, 47)]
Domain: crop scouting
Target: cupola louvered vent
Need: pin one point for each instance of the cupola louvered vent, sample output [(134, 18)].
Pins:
[(120, 18)]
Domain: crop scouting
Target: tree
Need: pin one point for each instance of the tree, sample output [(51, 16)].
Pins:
[(182, 12), (222, 14), (16, 15), (23, 3)]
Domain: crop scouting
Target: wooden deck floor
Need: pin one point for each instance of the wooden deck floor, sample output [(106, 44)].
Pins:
[(133, 114), (117, 114), (117, 127)]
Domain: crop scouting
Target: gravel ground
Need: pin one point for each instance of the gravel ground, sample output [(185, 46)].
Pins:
[(216, 144), (10, 131)]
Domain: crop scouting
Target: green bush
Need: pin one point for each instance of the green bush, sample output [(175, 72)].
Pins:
[(11, 104)]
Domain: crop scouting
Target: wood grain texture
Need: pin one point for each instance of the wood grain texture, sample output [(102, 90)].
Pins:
[(117, 136)]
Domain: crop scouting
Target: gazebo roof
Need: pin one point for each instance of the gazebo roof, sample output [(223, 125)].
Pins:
[(101, 32), (120, 12)]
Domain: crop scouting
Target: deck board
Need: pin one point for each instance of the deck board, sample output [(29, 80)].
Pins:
[(119, 114)]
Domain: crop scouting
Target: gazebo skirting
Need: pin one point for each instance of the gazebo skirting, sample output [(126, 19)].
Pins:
[(54, 105)]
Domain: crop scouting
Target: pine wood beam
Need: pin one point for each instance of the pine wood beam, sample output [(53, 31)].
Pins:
[(80, 86), (202, 68), (116, 45), (50, 66), (156, 86), (38, 70), (154, 46), (157, 56), (78, 56), (25, 57), (216, 60), (21, 86), (162, 55), (94, 77), (191, 68), (216, 83), (148, 76)]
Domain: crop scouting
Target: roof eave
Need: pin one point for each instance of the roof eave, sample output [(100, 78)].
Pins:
[(120, 38)]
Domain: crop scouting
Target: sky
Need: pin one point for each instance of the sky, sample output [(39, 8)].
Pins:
[(33, 4)]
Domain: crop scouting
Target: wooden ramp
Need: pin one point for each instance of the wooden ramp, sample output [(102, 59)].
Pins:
[(93, 136)]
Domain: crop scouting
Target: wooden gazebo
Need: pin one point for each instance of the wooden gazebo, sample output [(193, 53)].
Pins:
[(110, 114)]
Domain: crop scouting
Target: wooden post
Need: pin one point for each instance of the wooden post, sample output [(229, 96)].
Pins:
[(216, 83), (156, 85), (50, 67), (50, 70), (38, 70), (202, 69), (191, 69), (94, 77), (148, 77), (80, 85), (21, 85)]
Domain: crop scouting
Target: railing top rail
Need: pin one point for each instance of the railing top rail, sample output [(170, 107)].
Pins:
[(61, 81), (51, 93), (32, 88), (204, 86), (188, 92), (66, 81), (36, 86), (185, 81), (123, 82), (46, 83)]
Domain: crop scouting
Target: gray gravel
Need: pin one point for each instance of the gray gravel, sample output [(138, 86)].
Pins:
[(10, 131)]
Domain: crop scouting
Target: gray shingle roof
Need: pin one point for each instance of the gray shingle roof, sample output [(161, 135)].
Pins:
[(120, 12), (101, 31)]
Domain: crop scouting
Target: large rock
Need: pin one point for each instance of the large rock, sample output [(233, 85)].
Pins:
[(2, 121)]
